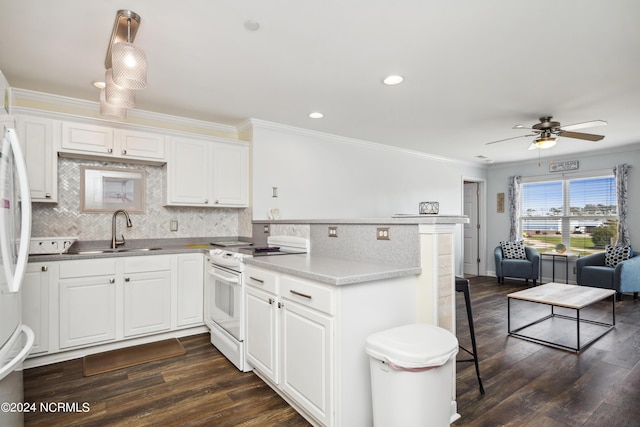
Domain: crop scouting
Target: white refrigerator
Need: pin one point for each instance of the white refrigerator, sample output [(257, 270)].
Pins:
[(16, 339)]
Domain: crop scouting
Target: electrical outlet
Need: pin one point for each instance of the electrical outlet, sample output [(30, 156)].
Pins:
[(173, 225), (265, 229), (333, 231), (382, 233)]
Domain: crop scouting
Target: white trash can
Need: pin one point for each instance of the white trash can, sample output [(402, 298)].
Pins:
[(412, 375)]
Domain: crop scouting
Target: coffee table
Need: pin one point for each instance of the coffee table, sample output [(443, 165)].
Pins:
[(556, 295)]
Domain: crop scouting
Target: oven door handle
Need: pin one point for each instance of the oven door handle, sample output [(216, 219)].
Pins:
[(230, 278)]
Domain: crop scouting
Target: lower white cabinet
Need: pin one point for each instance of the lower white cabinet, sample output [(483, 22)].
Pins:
[(79, 303), (147, 295), (35, 304), (306, 339), (290, 338), (189, 289)]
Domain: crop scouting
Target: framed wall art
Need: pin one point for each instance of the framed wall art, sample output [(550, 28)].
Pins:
[(110, 189)]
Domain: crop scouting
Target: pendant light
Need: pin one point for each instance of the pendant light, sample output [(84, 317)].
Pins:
[(110, 110), (117, 95), (129, 62)]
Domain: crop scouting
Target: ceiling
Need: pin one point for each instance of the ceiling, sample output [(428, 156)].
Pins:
[(472, 69)]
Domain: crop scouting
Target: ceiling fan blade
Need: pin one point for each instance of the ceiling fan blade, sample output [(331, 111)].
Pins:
[(580, 135), (507, 139), (583, 125)]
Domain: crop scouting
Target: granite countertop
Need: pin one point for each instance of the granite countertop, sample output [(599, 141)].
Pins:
[(334, 271), (91, 249)]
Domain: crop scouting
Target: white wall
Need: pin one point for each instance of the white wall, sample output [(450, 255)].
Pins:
[(321, 176), (498, 223)]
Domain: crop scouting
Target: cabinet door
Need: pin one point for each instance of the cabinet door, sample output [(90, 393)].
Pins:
[(307, 359), (188, 177), (87, 310), (147, 302), (230, 169), (261, 334), (190, 289), (39, 139), (141, 145), (84, 138), (35, 305)]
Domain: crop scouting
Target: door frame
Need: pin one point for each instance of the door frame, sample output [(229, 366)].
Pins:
[(482, 220)]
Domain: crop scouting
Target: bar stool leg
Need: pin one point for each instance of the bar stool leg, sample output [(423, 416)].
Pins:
[(462, 285)]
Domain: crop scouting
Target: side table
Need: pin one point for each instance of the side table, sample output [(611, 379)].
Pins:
[(554, 256)]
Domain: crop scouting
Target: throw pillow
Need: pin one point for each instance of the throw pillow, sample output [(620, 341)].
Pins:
[(513, 250), (615, 254)]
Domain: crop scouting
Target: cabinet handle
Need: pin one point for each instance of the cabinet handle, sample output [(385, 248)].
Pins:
[(126, 279), (44, 268), (206, 200), (47, 195), (256, 280), (124, 152), (109, 150), (300, 294), (216, 202), (280, 305), (112, 280), (271, 301)]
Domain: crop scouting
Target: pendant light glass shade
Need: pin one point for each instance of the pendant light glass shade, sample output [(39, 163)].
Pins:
[(116, 95), (129, 66), (110, 110)]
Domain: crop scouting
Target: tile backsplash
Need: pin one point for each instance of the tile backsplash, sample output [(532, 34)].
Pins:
[(65, 219)]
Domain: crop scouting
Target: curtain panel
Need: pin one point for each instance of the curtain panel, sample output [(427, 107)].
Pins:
[(515, 232), (621, 173)]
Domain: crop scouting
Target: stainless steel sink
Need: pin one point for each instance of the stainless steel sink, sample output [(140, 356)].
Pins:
[(110, 251)]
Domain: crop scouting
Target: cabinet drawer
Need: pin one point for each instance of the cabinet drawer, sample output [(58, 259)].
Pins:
[(139, 264), (307, 293), (261, 279), (88, 267)]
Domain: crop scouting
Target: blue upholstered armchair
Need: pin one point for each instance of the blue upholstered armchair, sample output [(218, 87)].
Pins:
[(528, 268), (624, 277)]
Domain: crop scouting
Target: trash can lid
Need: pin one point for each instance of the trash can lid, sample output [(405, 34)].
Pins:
[(418, 345)]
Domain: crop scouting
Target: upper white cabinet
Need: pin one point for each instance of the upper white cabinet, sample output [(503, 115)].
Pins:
[(122, 144), (40, 140), (208, 173)]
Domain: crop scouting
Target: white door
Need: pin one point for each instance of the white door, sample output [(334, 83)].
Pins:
[(471, 229)]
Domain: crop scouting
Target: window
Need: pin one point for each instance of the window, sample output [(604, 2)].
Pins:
[(580, 213)]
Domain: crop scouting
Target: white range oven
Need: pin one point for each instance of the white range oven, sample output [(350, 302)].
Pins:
[(224, 292)]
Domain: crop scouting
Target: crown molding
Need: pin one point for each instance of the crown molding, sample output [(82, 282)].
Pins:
[(93, 106)]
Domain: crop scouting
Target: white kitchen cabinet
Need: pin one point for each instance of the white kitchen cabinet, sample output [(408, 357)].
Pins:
[(290, 338), (307, 358), (147, 295), (318, 333), (207, 172), (40, 140), (87, 297), (35, 304), (262, 332), (230, 174), (82, 139), (189, 291)]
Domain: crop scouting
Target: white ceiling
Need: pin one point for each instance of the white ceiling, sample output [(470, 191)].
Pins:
[(473, 69)]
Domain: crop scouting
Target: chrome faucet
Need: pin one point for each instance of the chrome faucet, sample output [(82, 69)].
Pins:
[(115, 242)]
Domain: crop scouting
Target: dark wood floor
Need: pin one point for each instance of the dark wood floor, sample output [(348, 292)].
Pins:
[(526, 384)]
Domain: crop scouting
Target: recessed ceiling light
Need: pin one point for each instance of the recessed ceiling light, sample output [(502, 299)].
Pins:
[(316, 115), (251, 25), (99, 85), (393, 80)]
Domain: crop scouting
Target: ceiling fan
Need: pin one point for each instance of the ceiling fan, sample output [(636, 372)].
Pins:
[(548, 131)]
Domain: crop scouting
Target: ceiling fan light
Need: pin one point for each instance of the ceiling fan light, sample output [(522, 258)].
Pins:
[(129, 64), (117, 95), (545, 142)]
